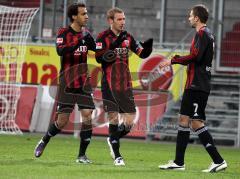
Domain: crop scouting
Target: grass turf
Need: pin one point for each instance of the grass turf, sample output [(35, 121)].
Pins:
[(142, 159)]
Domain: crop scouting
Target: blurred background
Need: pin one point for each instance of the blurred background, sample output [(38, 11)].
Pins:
[(164, 20)]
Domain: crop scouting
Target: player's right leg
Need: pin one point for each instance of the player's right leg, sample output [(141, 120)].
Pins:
[(113, 139), (66, 102), (112, 109), (53, 130), (182, 135), (181, 145)]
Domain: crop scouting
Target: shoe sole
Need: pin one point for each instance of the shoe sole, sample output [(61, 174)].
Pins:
[(221, 168), (178, 169)]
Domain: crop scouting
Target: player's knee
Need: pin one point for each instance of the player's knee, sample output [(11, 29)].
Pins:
[(183, 121), (86, 113), (196, 124), (113, 117), (128, 122), (128, 127), (62, 120)]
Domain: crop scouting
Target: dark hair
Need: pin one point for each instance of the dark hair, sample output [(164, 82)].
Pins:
[(73, 10), (201, 11), (111, 12)]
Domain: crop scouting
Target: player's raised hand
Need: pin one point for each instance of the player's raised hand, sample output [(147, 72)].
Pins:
[(175, 56), (147, 44), (147, 48)]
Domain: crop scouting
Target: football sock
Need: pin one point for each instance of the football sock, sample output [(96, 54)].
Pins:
[(181, 144), (52, 131), (123, 130), (85, 138), (207, 141), (114, 139)]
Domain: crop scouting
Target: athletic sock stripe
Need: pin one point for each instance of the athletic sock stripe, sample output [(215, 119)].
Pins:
[(201, 130), (181, 128)]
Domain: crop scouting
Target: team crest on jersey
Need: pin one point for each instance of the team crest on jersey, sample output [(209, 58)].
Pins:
[(59, 40), (99, 45)]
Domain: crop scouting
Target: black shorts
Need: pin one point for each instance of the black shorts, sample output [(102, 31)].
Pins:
[(194, 104), (68, 97), (118, 101)]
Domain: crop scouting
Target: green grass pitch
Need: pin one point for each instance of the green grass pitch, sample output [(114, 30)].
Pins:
[(142, 159)]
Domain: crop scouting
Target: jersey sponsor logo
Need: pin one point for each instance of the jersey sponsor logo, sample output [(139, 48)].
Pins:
[(99, 45), (80, 49), (59, 40), (121, 51)]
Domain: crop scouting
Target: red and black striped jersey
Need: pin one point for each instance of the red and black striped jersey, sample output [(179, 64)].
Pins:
[(199, 61), (72, 47), (116, 74)]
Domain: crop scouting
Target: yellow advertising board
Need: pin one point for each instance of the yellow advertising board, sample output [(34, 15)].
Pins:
[(41, 65)]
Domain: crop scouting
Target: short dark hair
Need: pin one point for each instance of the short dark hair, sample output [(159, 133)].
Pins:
[(201, 11), (111, 12), (73, 10)]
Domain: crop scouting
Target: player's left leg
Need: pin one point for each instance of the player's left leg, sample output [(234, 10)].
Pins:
[(127, 111), (181, 145), (85, 135), (197, 124), (127, 124), (86, 106), (206, 139), (182, 134)]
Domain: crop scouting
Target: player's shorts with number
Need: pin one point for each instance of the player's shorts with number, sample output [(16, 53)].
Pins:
[(194, 103)]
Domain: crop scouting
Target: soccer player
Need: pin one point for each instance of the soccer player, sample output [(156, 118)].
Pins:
[(112, 51), (72, 45), (195, 96)]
